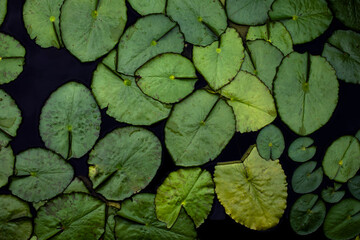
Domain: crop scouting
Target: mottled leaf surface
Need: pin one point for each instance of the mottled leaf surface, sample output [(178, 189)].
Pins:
[(270, 142)]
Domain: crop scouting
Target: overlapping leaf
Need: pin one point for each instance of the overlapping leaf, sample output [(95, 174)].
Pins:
[(347, 11), (149, 6)]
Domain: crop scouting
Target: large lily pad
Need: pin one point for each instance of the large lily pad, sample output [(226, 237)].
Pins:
[(253, 192), (301, 149), (198, 129), (167, 78), (270, 142), (220, 61), (306, 179), (71, 216), (342, 50), (304, 19), (42, 20), (15, 219), (354, 186), (191, 189), (70, 121), (347, 11), (124, 162), (91, 28), (306, 92), (341, 160), (148, 7), (11, 58), (251, 101), (40, 175), (3, 10), (201, 21), (7, 160), (147, 38), (137, 221)]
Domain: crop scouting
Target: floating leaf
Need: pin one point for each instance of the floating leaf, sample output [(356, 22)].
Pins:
[(76, 186), (221, 61), (91, 28), (11, 58), (198, 129), (201, 21), (251, 101), (270, 142), (137, 220), (147, 38), (191, 189), (301, 149), (343, 220), (253, 192), (342, 50), (15, 219), (7, 160), (119, 157), (70, 121), (341, 160), (3, 10), (306, 92), (331, 195), (304, 19), (347, 12), (306, 179), (110, 224), (307, 214), (354, 186), (167, 78), (71, 216), (148, 7), (357, 135)]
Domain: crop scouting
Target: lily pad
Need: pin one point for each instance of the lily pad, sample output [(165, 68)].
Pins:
[(110, 224), (274, 33), (304, 19), (76, 186), (191, 189), (342, 50), (341, 160), (11, 58), (15, 219), (147, 38), (198, 129), (70, 121), (137, 220), (91, 28), (118, 158), (306, 179), (71, 216), (306, 92), (148, 7), (42, 20), (331, 195), (357, 135), (354, 186), (3, 10), (347, 12), (248, 12), (343, 220), (253, 191), (270, 142), (201, 21), (7, 160), (221, 61), (40, 175), (167, 78), (301, 149), (307, 214), (251, 101)]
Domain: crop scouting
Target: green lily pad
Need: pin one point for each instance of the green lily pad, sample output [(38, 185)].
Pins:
[(148, 7), (91, 28), (274, 33), (347, 12), (248, 12), (306, 179), (167, 78), (304, 19), (71, 216), (147, 38), (7, 160), (40, 175), (301, 149), (251, 101), (42, 21), (12, 59), (342, 50), (307, 214), (110, 224), (118, 158), (306, 92), (270, 142), (343, 220), (221, 61), (15, 219), (354, 186), (137, 220), (201, 21), (191, 189), (76, 186), (70, 121), (3, 10), (341, 160), (198, 129), (331, 195), (357, 135)]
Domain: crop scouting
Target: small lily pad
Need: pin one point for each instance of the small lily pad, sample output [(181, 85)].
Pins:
[(347, 11), (301, 149), (148, 6), (270, 142), (7, 160), (354, 186), (3, 10), (306, 179), (331, 195)]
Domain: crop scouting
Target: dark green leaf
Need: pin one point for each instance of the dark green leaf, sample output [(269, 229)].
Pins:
[(306, 179), (3, 10), (148, 6), (347, 11), (270, 142), (331, 195), (7, 160), (301, 149), (354, 186)]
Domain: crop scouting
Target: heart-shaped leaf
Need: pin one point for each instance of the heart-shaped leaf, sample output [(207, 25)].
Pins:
[(306, 179), (301, 149), (270, 142), (331, 195)]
